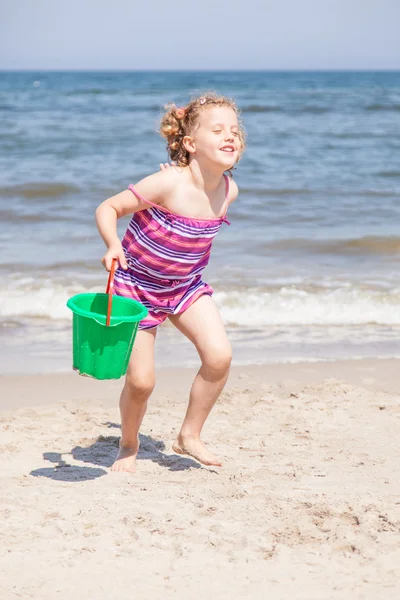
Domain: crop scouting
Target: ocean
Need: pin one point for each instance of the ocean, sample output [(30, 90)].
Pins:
[(309, 268)]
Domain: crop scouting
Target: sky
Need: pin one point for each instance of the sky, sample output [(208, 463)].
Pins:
[(205, 34)]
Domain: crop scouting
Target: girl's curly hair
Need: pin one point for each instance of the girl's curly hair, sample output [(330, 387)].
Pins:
[(180, 122)]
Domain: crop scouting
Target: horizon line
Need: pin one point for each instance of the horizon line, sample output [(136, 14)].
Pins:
[(204, 70)]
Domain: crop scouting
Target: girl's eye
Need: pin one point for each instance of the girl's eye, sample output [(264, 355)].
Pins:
[(235, 133), (217, 130)]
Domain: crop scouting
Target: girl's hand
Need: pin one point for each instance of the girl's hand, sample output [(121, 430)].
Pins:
[(115, 251), (165, 166)]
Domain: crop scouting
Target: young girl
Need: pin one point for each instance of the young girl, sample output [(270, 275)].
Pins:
[(177, 212)]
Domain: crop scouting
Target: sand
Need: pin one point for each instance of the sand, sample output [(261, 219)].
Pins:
[(306, 506)]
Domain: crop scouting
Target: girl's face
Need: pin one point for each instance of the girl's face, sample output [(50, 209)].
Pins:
[(217, 137)]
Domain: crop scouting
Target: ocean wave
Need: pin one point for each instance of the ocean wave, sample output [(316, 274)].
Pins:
[(328, 193), (38, 190), (253, 308), (365, 245), (10, 216), (299, 307), (370, 135), (23, 270), (259, 108), (388, 174), (314, 110), (126, 100), (92, 92), (276, 192), (266, 108), (372, 194), (48, 302), (383, 107)]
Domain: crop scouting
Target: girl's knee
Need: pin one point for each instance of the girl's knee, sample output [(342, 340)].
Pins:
[(140, 385), (218, 358)]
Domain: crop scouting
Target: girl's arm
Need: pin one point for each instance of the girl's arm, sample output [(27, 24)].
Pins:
[(106, 219), (152, 188)]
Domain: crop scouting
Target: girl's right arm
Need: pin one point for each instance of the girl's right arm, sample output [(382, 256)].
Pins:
[(107, 214), (153, 188)]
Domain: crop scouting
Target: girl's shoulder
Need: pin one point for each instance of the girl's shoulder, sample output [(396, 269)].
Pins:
[(159, 185)]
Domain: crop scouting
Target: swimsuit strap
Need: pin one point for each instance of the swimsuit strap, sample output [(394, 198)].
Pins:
[(224, 206), (134, 191)]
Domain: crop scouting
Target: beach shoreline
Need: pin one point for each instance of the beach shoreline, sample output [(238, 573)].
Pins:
[(306, 505), (382, 375)]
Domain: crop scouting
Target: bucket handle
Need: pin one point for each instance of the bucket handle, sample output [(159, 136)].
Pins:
[(109, 290)]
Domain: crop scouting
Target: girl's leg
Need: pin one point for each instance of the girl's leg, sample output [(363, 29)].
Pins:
[(202, 324), (139, 383)]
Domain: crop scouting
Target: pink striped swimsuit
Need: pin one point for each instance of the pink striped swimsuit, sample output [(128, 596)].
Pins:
[(166, 255)]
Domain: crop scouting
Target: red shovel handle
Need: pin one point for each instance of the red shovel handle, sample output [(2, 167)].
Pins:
[(109, 290)]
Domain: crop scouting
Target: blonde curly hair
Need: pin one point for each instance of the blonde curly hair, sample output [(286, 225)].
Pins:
[(179, 122)]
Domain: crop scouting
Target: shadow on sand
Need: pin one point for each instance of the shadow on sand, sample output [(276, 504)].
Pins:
[(102, 452)]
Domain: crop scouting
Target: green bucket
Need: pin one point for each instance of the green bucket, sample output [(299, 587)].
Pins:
[(99, 350)]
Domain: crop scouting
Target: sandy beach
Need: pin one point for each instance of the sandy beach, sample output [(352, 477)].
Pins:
[(306, 505)]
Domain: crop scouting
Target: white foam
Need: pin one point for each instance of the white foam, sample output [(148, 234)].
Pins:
[(255, 308), (49, 301), (299, 307)]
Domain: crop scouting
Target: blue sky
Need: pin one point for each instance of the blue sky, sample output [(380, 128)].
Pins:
[(206, 34)]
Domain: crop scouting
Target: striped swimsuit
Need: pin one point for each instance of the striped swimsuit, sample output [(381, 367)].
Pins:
[(166, 254)]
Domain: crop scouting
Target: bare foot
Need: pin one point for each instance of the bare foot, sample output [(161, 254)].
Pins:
[(195, 448), (126, 459)]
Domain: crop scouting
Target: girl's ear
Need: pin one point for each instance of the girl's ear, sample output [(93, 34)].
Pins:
[(189, 144)]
